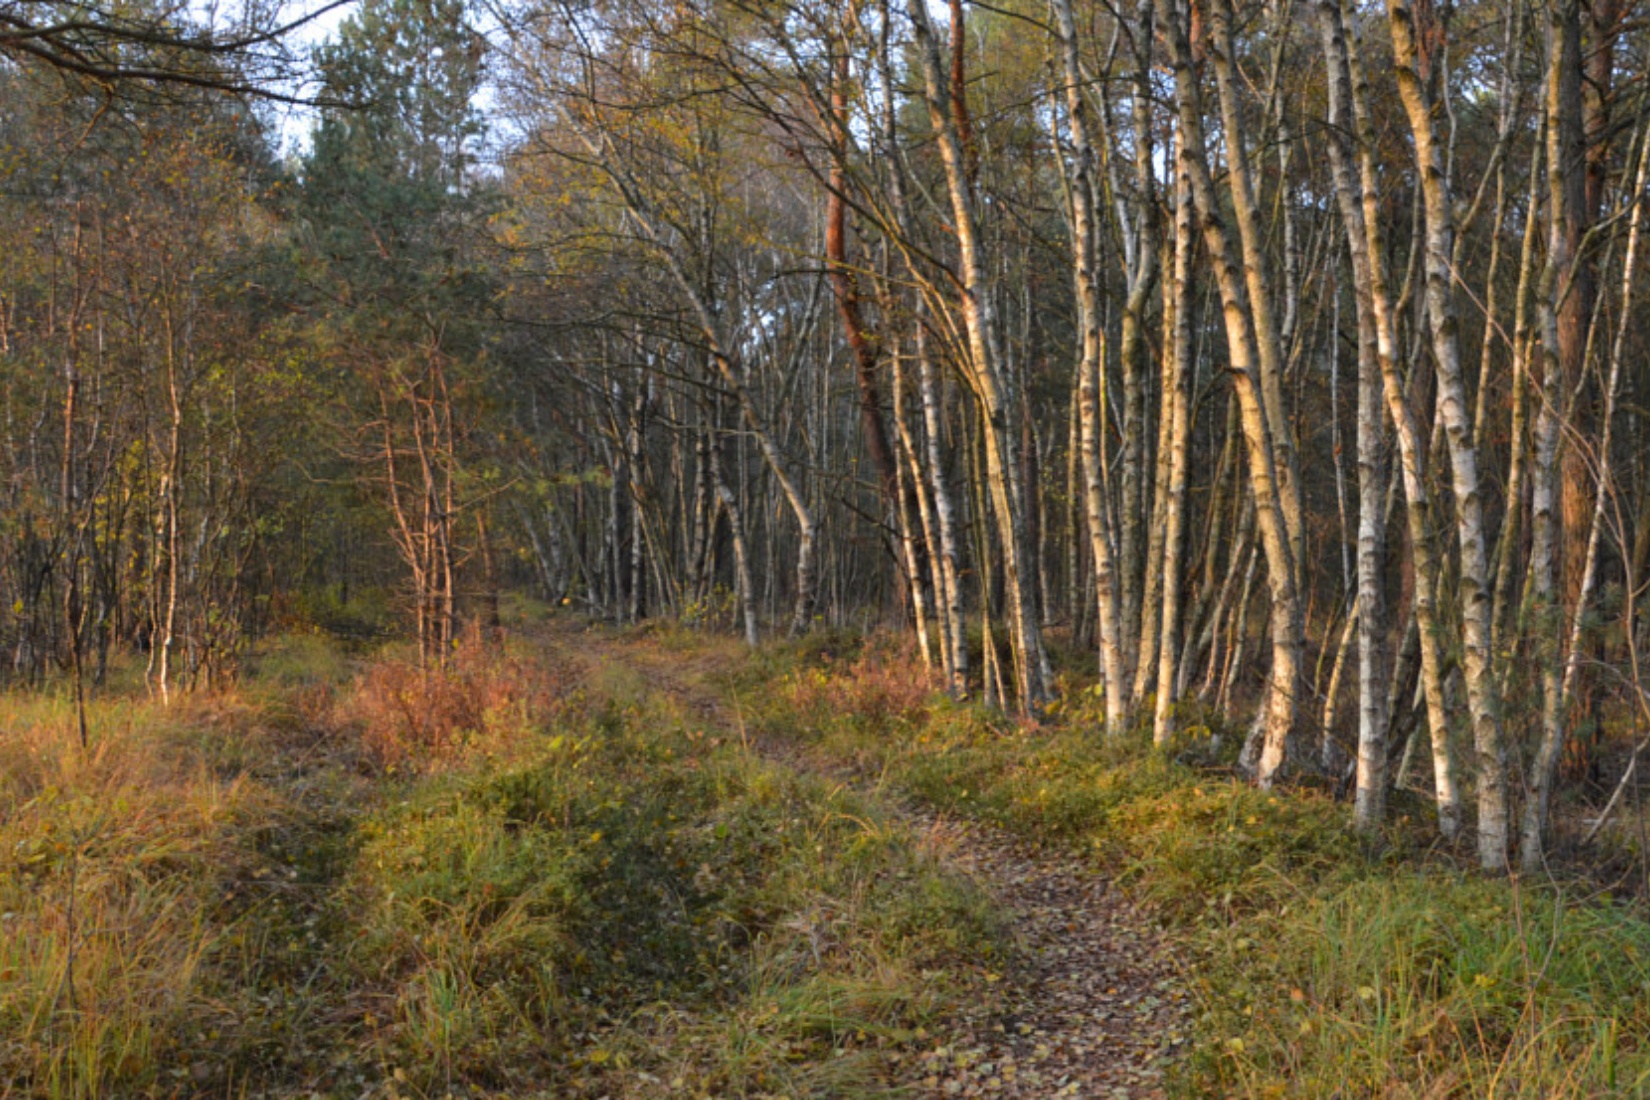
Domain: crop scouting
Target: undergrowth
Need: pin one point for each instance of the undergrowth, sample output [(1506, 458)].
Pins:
[(511, 877), (1324, 965), (530, 875)]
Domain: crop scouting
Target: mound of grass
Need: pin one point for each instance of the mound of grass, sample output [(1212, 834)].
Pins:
[(1409, 984), (507, 877), (645, 903), (1324, 966)]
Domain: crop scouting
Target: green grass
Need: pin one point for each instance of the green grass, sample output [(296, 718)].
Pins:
[(532, 882), (526, 876), (1323, 965), (113, 863)]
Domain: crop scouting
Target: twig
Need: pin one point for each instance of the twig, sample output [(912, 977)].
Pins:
[(1609, 807)]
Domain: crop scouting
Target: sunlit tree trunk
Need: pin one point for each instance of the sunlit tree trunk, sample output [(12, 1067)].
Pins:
[(1258, 281), (1091, 368), (1477, 658), (1139, 620), (1282, 698), (1361, 213), (985, 377), (1177, 400)]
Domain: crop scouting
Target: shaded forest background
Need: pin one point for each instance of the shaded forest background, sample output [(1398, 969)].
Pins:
[(1288, 357)]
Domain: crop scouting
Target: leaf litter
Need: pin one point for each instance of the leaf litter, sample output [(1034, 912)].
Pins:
[(1091, 1006), (1090, 1003)]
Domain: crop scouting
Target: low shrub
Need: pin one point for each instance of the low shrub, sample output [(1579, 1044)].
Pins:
[(481, 701)]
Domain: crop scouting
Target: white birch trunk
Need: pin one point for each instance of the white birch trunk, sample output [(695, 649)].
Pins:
[(1091, 370), (1483, 700), (904, 459), (1366, 244), (945, 514), (1282, 702), (1262, 311), (1177, 399), (979, 318)]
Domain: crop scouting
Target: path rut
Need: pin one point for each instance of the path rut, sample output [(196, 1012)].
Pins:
[(1089, 1005)]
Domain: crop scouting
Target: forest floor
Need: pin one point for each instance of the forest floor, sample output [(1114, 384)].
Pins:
[(650, 863), (1087, 1004)]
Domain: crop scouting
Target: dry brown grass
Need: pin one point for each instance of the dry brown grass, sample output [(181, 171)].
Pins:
[(884, 686), (480, 705), (108, 859)]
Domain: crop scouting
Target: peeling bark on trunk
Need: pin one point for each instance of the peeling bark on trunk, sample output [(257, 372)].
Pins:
[(1282, 700), (985, 376), (1477, 657)]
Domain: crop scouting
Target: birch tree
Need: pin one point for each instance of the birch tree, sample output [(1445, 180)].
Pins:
[(1482, 695)]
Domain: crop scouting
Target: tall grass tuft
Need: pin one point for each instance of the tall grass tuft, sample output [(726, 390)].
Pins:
[(111, 860)]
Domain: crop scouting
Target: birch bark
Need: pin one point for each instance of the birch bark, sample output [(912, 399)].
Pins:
[(1282, 702), (979, 318), (1091, 369), (1177, 398), (1366, 245), (1483, 700)]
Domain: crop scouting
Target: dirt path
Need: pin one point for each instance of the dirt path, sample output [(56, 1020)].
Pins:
[(1089, 1007)]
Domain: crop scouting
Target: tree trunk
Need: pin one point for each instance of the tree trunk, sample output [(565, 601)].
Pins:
[(1091, 369), (907, 524), (1366, 244), (985, 375), (1177, 400), (1281, 705), (1557, 692), (845, 285), (1477, 658), (945, 513), (741, 549)]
